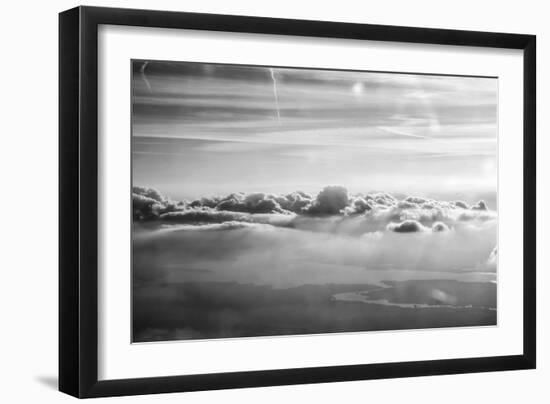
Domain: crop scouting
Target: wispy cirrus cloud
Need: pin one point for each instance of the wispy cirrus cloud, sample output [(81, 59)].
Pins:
[(399, 132)]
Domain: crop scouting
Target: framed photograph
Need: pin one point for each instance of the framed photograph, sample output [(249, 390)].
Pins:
[(251, 201)]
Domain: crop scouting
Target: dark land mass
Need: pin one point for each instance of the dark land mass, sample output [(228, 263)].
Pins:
[(207, 310)]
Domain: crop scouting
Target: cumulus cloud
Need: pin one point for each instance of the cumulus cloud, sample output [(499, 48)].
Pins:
[(333, 210), (439, 226), (295, 202), (383, 199), (257, 202), (150, 193), (206, 202), (406, 205), (357, 206), (332, 200), (416, 200), (481, 205), (461, 204), (149, 204), (407, 226)]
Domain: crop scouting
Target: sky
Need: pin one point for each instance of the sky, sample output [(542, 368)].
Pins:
[(208, 129)]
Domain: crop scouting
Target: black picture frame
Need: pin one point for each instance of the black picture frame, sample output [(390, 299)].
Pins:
[(78, 196)]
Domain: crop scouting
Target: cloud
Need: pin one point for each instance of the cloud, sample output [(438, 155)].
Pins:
[(261, 203), (151, 193), (332, 200), (333, 210), (226, 225), (439, 226), (461, 204), (295, 202), (477, 215), (406, 205), (203, 216), (382, 199), (407, 226), (357, 206), (481, 205), (206, 202), (149, 204), (206, 217), (310, 250), (415, 200), (257, 202)]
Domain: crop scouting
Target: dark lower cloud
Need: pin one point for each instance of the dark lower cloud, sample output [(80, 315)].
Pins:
[(203, 216), (407, 226), (320, 250), (439, 226)]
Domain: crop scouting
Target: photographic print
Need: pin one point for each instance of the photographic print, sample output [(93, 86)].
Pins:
[(272, 201)]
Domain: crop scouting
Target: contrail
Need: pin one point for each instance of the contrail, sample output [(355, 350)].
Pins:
[(275, 95), (398, 131), (142, 71)]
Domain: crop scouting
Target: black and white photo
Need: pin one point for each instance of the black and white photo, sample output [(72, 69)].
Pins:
[(272, 201), (249, 202)]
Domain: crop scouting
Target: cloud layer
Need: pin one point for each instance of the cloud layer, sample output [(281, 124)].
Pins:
[(333, 209)]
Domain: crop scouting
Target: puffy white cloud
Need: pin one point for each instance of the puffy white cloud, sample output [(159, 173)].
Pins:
[(151, 193), (358, 205), (416, 200), (207, 202), (332, 200), (481, 205), (406, 205), (232, 202), (382, 199), (461, 204), (295, 202), (149, 204), (262, 203), (333, 210), (257, 202)]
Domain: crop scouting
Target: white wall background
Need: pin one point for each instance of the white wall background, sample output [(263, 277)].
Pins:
[(28, 200)]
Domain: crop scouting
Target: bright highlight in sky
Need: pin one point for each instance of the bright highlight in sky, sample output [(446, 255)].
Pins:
[(358, 89)]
